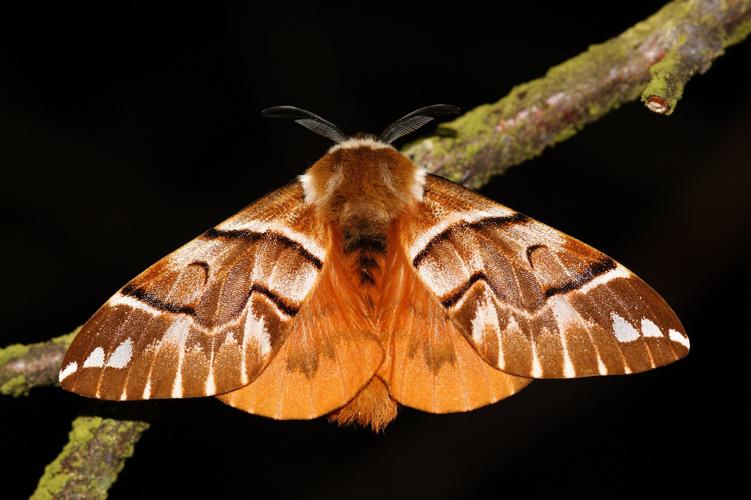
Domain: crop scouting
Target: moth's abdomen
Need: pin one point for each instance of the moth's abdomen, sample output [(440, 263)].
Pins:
[(365, 255), (367, 252)]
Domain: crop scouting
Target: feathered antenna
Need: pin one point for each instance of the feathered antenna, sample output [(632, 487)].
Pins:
[(310, 121), (416, 119)]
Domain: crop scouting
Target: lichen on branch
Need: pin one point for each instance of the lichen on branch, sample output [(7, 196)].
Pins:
[(89, 464), (700, 31), (654, 58), (23, 367)]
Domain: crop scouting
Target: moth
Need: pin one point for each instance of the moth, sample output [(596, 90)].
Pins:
[(364, 284)]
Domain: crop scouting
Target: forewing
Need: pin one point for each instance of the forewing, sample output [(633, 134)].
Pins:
[(533, 301), (207, 318)]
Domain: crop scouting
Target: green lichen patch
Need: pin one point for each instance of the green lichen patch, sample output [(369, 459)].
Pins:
[(56, 474), (91, 461), (23, 367), (84, 428), (666, 82), (472, 123), (16, 386), (12, 352), (742, 29)]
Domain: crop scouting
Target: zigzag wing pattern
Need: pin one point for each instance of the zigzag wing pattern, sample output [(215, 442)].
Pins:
[(533, 301), (207, 318)]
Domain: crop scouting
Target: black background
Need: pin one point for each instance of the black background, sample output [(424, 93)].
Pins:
[(127, 130)]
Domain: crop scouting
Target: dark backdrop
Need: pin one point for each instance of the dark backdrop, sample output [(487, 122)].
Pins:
[(127, 130)]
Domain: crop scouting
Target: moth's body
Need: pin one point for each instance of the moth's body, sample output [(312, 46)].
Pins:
[(364, 284), (360, 189)]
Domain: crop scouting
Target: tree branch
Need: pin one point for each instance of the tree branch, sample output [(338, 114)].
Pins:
[(89, 464), (653, 59), (698, 36), (23, 367)]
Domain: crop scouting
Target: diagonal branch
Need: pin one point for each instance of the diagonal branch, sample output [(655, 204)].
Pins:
[(23, 367), (89, 464), (653, 59)]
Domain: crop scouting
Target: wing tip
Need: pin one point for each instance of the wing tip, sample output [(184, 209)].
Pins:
[(677, 337)]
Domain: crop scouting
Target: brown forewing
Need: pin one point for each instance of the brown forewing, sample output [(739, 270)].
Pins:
[(533, 301), (207, 318)]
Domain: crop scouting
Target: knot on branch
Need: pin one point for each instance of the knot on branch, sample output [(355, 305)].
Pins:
[(698, 32)]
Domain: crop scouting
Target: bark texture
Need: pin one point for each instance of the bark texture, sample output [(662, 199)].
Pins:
[(89, 464), (653, 59), (23, 367)]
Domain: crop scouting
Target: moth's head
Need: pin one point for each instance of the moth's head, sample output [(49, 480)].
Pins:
[(362, 170)]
